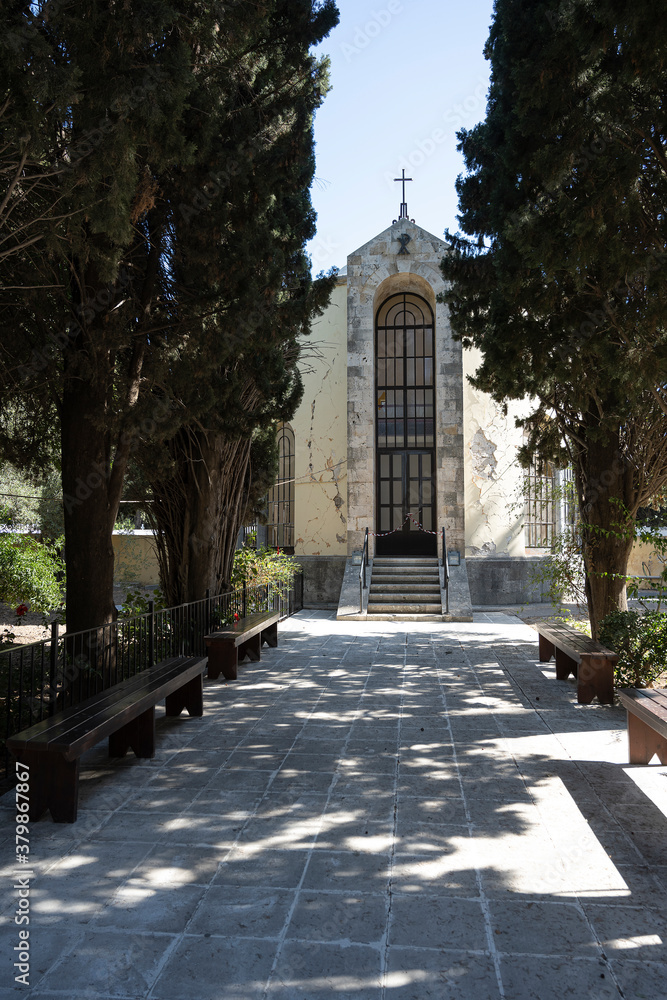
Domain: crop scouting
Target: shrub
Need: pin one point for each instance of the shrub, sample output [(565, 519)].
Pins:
[(561, 573), (34, 502), (641, 643), (30, 573), (259, 567), (137, 603)]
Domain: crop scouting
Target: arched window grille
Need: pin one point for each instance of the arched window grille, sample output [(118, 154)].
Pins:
[(405, 373), (280, 529), (405, 423)]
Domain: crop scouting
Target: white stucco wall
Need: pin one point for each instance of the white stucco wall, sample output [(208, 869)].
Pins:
[(493, 477), (320, 436)]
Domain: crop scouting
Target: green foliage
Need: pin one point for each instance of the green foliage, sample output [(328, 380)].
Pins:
[(650, 533), (29, 572), (653, 517), (136, 603), (641, 642), (257, 575), (124, 523), (560, 271), (31, 501), (562, 571), (263, 567), (173, 154)]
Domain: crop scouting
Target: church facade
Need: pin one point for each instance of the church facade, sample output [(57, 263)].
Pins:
[(391, 437)]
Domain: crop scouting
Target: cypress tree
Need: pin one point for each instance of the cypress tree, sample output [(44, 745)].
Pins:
[(258, 293), (115, 333), (559, 276)]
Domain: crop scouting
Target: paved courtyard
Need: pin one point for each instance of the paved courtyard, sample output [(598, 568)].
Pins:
[(368, 813)]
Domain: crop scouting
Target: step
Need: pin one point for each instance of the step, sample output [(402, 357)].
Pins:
[(391, 577), (406, 563), (416, 617), (406, 598), (413, 572), (405, 589), (399, 588), (402, 574), (406, 609)]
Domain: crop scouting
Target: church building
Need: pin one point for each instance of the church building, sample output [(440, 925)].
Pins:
[(392, 438)]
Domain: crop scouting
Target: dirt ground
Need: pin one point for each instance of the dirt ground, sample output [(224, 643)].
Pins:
[(31, 627)]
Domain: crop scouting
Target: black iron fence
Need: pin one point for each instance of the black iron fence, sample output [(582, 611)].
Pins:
[(42, 678)]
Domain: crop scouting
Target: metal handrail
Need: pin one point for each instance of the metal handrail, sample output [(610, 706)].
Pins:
[(445, 563), (362, 573)]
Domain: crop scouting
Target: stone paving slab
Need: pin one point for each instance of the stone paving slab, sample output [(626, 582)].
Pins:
[(370, 813)]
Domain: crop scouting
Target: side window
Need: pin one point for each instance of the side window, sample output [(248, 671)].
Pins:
[(539, 505), (280, 529)]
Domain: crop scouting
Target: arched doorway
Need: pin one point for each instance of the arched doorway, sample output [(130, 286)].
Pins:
[(405, 426)]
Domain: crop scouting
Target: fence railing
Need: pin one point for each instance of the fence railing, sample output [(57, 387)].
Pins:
[(41, 678), (362, 573), (445, 564)]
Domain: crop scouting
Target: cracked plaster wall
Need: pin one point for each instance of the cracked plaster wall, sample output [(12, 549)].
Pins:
[(320, 437), (494, 523)]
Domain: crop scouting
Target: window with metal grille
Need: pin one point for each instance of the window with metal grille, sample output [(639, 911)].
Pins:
[(405, 373), (280, 527), (539, 505), (569, 513)]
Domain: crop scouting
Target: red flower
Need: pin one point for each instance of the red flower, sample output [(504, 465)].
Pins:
[(21, 610), (236, 616)]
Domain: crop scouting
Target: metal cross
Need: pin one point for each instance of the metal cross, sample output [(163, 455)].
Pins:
[(404, 206)]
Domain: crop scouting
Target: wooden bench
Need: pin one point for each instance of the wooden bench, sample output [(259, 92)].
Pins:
[(591, 663), (244, 638), (125, 713), (647, 723)]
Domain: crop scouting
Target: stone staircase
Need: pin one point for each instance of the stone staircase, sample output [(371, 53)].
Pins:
[(405, 588)]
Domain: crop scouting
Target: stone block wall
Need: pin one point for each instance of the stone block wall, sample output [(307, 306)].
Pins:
[(322, 580), (496, 581)]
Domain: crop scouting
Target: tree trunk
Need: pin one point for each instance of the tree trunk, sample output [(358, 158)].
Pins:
[(198, 514), (89, 517), (604, 484)]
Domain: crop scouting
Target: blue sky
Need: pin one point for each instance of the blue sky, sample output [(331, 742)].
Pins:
[(406, 75)]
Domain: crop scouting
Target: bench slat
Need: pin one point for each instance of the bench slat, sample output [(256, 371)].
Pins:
[(75, 730), (647, 724), (574, 642), (649, 704), (244, 638), (125, 713), (70, 716), (576, 653), (246, 627), (89, 732)]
